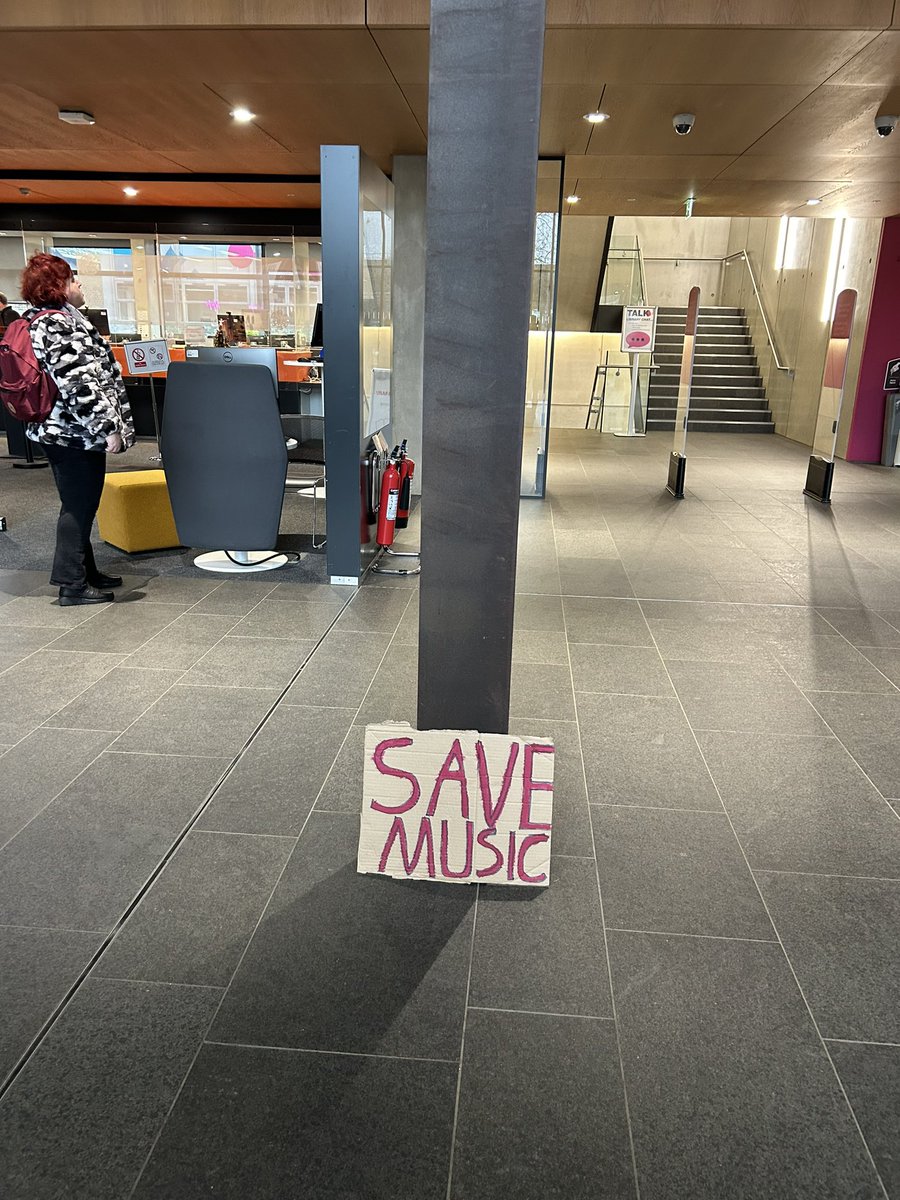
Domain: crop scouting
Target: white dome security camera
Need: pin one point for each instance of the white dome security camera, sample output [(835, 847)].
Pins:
[(885, 126), (683, 123)]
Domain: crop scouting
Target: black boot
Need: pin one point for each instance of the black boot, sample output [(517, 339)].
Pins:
[(83, 595), (104, 582)]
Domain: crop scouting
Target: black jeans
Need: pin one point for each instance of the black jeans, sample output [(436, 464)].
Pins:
[(79, 476)]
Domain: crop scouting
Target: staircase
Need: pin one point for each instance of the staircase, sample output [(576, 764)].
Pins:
[(727, 392)]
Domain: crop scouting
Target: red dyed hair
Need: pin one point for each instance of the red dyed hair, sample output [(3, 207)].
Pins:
[(45, 281)]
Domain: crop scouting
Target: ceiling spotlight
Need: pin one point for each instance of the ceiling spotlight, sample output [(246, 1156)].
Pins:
[(242, 115), (573, 199), (596, 118), (130, 191), (885, 126), (683, 123), (813, 200), (76, 116)]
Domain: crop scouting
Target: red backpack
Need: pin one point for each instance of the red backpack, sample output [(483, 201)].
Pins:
[(26, 389)]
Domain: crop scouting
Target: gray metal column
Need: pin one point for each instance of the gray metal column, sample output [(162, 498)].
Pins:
[(484, 112)]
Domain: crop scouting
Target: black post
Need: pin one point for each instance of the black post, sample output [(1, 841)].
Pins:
[(484, 113)]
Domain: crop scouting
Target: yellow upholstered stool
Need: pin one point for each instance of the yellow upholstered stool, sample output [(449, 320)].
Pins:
[(135, 513)]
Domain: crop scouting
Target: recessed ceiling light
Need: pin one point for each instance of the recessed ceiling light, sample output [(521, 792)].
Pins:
[(242, 115), (572, 199), (813, 200), (631, 199), (596, 118), (130, 191)]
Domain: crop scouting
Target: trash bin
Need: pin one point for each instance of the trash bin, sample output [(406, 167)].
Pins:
[(890, 446)]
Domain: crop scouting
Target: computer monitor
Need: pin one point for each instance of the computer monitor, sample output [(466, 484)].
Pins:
[(263, 356), (316, 340), (99, 318)]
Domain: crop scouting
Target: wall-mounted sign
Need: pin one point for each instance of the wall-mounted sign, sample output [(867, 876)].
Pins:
[(638, 330), (892, 376), (379, 401), (456, 807), (144, 358)]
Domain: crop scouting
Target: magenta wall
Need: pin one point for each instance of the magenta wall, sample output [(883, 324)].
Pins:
[(882, 342)]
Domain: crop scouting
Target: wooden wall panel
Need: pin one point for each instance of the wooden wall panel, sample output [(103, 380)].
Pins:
[(409, 13)]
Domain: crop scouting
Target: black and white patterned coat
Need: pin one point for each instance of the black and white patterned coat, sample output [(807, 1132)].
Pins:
[(92, 403)]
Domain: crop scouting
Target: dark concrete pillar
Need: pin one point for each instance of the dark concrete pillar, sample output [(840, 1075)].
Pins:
[(484, 112)]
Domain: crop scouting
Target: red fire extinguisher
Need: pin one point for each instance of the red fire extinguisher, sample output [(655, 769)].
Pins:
[(407, 469), (390, 496)]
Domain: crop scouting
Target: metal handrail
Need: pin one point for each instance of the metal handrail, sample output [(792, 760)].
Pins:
[(779, 365), (641, 275)]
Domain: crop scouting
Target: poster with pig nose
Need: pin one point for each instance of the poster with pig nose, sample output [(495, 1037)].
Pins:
[(456, 807)]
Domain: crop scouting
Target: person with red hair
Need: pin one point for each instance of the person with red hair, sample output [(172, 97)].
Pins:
[(90, 419)]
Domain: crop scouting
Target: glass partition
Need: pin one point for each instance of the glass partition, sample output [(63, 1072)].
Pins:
[(542, 331)]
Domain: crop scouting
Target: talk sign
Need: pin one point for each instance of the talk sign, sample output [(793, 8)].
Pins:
[(456, 807), (638, 329), (145, 357)]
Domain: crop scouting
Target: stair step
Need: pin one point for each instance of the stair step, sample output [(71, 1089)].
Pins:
[(669, 358), (711, 412), (661, 426), (700, 390), (707, 371), (706, 339), (706, 310)]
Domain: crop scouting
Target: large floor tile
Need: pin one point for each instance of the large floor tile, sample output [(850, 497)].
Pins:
[(172, 589), (640, 750), (394, 690), (119, 698), (675, 872), (830, 664), (274, 1124), (37, 769), (539, 690), (539, 613), (374, 610), (120, 628), (623, 670), (250, 662), (886, 660), (235, 597), (729, 1090), (871, 1078), (745, 697), (80, 861), (689, 641), (349, 962), (41, 610), (803, 804), (193, 924), (342, 791), (571, 819), (536, 646), (340, 671), (183, 642), (19, 641), (286, 619), (198, 720), (82, 1116), (862, 627), (606, 622), (554, 1086), (276, 781), (593, 577), (841, 937), (867, 726), (37, 968), (541, 949), (39, 686)]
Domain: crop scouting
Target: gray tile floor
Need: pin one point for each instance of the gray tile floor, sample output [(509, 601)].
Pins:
[(204, 999)]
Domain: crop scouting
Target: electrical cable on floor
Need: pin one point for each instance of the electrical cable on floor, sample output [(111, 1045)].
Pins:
[(38, 1039), (291, 555)]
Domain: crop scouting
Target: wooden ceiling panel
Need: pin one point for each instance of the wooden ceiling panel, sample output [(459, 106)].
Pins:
[(636, 166), (878, 65), (133, 158), (180, 194), (274, 195), (703, 56), (729, 119), (858, 200), (273, 160), (758, 198), (815, 14), (406, 53), (175, 14), (397, 12), (301, 118), (645, 198), (832, 120), (563, 130), (814, 168)]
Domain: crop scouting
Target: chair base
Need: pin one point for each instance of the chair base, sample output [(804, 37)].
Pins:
[(247, 561)]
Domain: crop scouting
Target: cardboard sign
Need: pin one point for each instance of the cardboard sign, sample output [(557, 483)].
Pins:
[(143, 358), (638, 330), (456, 807)]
